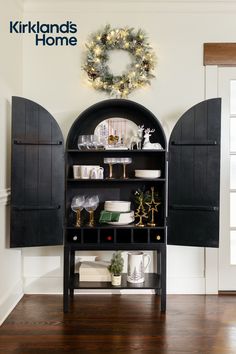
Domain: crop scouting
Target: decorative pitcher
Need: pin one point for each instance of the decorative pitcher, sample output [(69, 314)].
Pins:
[(136, 266)]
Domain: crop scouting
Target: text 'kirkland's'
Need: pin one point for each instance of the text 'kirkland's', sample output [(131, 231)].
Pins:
[(47, 34)]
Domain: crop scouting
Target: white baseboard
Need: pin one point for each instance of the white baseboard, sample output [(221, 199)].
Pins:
[(43, 285), (186, 285), (9, 300)]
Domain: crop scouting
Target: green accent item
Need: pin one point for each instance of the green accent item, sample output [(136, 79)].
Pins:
[(107, 216)]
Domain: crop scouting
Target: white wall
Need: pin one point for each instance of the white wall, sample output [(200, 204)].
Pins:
[(10, 84), (52, 76)]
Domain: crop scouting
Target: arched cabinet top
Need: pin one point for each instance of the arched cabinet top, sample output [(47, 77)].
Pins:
[(114, 108)]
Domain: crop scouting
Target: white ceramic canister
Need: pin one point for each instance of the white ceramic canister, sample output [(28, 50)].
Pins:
[(84, 171), (76, 171), (97, 173)]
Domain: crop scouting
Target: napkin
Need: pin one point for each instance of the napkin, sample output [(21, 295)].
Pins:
[(107, 216)]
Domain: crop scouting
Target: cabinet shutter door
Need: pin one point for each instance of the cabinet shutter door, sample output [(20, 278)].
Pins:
[(194, 177), (37, 175)]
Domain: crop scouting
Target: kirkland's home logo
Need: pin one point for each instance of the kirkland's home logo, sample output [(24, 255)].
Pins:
[(47, 34)]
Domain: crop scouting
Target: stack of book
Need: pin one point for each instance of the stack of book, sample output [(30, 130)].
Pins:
[(94, 271)]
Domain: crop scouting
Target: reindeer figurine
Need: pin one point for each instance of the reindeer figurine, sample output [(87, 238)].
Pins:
[(137, 138), (147, 144)]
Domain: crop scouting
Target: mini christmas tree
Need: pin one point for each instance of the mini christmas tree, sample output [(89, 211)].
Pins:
[(117, 264)]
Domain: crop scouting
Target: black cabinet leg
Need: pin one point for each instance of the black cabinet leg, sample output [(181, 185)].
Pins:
[(163, 278), (158, 253), (72, 270), (66, 279)]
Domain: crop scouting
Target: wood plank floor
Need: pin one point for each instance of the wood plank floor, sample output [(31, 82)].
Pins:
[(121, 324)]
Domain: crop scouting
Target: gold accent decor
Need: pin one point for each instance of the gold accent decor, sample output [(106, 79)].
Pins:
[(78, 218), (140, 212), (152, 208)]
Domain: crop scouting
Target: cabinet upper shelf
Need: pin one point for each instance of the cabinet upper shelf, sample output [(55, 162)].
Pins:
[(122, 180), (115, 151)]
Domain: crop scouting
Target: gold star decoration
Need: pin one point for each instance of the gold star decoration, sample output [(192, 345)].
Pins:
[(152, 208)]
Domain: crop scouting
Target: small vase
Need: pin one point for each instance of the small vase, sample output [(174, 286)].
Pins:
[(116, 280)]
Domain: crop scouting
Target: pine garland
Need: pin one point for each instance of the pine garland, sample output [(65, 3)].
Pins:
[(139, 72)]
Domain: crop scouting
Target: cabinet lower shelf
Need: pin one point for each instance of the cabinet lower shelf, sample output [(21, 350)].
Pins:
[(152, 281)]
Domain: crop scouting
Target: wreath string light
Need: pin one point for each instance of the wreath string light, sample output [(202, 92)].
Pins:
[(138, 73)]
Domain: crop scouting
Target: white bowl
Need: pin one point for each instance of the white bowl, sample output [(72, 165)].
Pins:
[(147, 173), (117, 205), (125, 219)]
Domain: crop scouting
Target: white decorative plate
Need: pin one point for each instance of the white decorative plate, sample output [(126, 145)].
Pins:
[(121, 127), (147, 173)]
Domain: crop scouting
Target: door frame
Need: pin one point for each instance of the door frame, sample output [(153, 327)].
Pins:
[(215, 55), (211, 254), (226, 269)]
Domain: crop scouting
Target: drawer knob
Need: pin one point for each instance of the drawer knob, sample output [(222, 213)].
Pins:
[(158, 237)]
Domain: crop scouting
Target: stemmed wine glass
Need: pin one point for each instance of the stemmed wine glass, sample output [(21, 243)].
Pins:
[(87, 142), (91, 142), (124, 161), (110, 161), (82, 142), (77, 205), (90, 205)]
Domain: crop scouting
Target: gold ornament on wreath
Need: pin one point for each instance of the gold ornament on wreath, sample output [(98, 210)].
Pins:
[(138, 73)]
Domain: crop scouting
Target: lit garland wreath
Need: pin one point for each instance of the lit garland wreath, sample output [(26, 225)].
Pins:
[(138, 73)]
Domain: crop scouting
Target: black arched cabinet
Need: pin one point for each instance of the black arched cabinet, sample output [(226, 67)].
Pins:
[(190, 178)]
